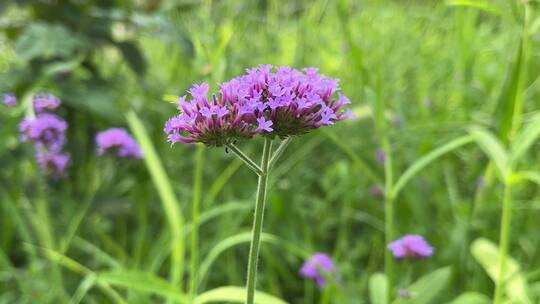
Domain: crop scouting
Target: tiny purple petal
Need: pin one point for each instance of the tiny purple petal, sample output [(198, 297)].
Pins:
[(317, 267), (45, 103), (118, 140), (411, 247), (10, 100)]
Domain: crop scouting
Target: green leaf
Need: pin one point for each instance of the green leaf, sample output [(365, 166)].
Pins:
[(163, 185), (377, 288), (471, 298), (482, 5), (234, 294), (427, 288), (421, 163), (46, 41), (493, 149), (526, 138), (86, 284), (143, 282), (133, 56), (486, 253), (243, 238)]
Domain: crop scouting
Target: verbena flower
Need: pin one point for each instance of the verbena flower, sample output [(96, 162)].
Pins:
[(46, 128), (282, 103), (317, 267), (53, 163), (45, 102), (117, 140), (10, 100), (411, 247)]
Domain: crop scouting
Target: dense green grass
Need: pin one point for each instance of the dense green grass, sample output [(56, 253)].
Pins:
[(461, 82)]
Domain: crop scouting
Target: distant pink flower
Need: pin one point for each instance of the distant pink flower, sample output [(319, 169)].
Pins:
[(317, 267), (119, 141), (45, 103), (411, 247), (10, 100)]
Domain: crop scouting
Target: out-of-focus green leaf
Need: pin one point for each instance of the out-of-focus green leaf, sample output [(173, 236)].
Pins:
[(133, 56), (47, 41), (526, 138), (483, 5), (471, 298), (486, 253), (143, 282), (234, 294), (377, 288), (493, 149), (427, 288)]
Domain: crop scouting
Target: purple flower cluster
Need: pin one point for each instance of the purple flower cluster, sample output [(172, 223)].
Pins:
[(283, 103), (117, 140), (45, 102), (317, 268), (411, 247), (10, 100), (48, 133)]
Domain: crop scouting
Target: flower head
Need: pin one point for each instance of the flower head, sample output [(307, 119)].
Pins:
[(119, 141), (53, 163), (283, 103), (411, 247), (45, 103), (10, 100), (46, 129), (317, 267)]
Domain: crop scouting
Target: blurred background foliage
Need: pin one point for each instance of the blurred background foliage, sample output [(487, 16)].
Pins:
[(441, 67)]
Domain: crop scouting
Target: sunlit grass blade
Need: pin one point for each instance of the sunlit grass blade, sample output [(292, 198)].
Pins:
[(143, 282), (428, 288), (482, 5), (377, 288), (526, 138), (171, 206), (243, 238), (234, 294), (421, 163), (493, 149), (487, 254)]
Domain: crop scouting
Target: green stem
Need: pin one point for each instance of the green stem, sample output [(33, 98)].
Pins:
[(389, 217), (195, 210), (248, 161), (504, 241), (258, 222)]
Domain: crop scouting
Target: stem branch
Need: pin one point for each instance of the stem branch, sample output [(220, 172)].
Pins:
[(248, 161), (258, 222), (504, 241)]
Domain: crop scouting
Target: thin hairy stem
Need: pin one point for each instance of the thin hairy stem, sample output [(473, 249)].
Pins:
[(504, 241), (258, 222), (242, 156), (195, 210)]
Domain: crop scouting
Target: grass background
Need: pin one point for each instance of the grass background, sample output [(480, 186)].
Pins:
[(103, 234)]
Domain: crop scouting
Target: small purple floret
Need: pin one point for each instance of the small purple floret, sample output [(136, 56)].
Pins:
[(411, 247), (10, 100), (118, 140), (283, 103), (46, 129), (53, 163), (45, 103), (317, 267)]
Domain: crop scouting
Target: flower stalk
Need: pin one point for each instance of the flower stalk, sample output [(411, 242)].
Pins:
[(258, 221), (504, 241)]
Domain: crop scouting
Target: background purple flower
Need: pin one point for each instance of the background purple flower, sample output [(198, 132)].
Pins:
[(283, 103), (46, 129), (411, 247), (10, 100), (53, 163), (319, 265), (117, 140), (45, 102)]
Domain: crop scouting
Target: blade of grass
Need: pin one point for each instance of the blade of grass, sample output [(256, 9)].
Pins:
[(171, 206)]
